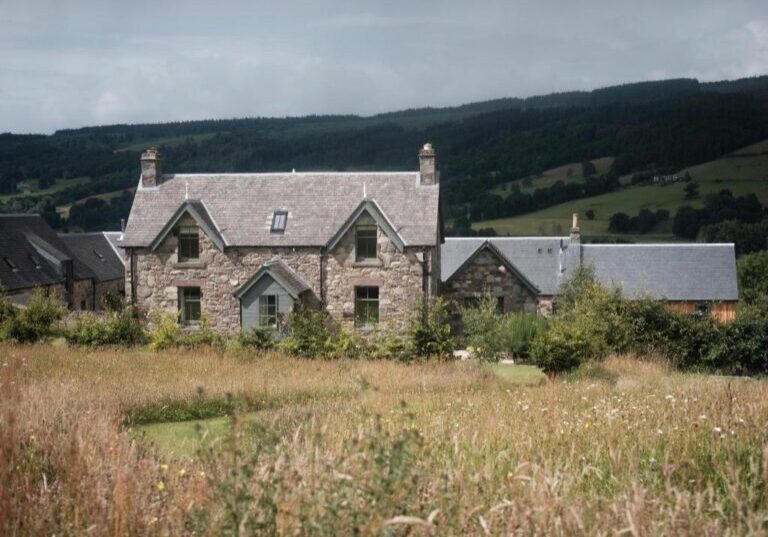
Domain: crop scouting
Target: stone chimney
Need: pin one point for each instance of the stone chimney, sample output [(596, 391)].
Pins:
[(429, 174), (151, 168), (575, 231)]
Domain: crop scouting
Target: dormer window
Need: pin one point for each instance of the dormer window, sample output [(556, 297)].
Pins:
[(279, 221), (365, 243), (189, 243)]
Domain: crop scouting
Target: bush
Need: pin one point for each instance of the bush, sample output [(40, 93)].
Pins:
[(741, 348), (168, 333), (392, 347), (308, 333), (36, 321), (429, 330), (562, 348), (117, 328), (518, 331), (257, 338), (482, 325)]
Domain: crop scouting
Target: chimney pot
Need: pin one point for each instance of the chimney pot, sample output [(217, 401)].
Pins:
[(427, 168), (575, 231), (151, 168)]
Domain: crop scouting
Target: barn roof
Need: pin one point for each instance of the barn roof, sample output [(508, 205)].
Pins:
[(95, 251), (671, 271), (241, 206)]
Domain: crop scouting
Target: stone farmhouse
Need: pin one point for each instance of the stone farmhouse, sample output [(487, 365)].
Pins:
[(80, 269), (243, 250)]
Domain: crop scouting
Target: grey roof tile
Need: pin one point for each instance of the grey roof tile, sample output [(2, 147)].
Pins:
[(95, 251), (671, 271), (318, 204)]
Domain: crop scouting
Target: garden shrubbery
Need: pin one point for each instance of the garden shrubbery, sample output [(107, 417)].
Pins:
[(593, 321), (490, 335), (37, 321), (114, 328)]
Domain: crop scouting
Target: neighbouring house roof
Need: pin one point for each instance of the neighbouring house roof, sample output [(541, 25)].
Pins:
[(537, 259), (282, 274), (671, 271), (95, 251), (31, 254), (115, 239), (240, 206), (490, 247)]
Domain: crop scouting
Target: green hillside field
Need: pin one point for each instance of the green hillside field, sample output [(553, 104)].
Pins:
[(744, 171)]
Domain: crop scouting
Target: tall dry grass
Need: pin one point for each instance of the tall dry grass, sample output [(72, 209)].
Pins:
[(379, 448)]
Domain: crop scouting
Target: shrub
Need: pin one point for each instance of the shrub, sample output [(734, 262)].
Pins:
[(741, 348), (429, 330), (564, 346), (36, 321), (117, 328), (392, 347), (308, 333), (346, 344), (257, 338), (166, 333), (518, 331)]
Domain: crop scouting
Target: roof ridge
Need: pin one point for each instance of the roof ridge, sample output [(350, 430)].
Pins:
[(280, 174)]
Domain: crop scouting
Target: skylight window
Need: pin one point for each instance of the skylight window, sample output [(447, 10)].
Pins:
[(8, 261), (279, 221), (99, 255), (35, 261)]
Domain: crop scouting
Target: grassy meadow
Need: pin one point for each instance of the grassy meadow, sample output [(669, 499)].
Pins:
[(743, 172), (203, 442)]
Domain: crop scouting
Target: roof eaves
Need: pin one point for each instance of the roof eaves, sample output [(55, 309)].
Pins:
[(189, 208), (372, 208)]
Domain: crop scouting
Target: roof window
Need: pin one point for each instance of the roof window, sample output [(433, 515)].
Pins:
[(35, 261), (99, 255), (8, 261), (279, 221)]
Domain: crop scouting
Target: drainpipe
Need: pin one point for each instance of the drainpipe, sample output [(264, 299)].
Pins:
[(132, 252), (322, 275), (425, 279)]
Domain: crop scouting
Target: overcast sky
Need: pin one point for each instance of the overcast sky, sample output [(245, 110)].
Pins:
[(68, 63)]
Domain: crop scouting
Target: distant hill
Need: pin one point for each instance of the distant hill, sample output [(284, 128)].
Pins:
[(657, 126)]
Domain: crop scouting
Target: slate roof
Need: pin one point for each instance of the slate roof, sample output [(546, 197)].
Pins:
[(240, 206), (115, 238), (94, 251), (671, 271), (36, 251), (282, 273), (539, 259)]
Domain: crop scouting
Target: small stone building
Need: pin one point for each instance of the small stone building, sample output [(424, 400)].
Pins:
[(242, 250), (525, 273)]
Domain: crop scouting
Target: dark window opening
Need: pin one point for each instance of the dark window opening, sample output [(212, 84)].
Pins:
[(279, 221), (365, 243), (189, 243), (83, 305), (500, 304), (702, 310), (268, 311), (189, 304), (366, 306)]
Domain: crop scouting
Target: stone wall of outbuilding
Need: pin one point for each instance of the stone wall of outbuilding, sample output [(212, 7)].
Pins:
[(486, 275)]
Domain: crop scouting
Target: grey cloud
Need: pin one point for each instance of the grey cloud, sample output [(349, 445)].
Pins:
[(69, 63)]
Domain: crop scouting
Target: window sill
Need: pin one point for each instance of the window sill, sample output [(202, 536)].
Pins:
[(189, 265), (368, 263)]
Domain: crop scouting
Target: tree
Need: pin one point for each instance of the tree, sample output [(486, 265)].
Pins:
[(753, 276), (687, 222), (590, 214), (620, 223), (691, 190), (588, 169)]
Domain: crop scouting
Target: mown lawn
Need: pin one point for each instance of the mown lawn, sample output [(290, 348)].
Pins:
[(91, 442)]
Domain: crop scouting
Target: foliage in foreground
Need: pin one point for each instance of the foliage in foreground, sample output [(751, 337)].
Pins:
[(111, 328), (33, 323), (436, 448), (593, 321), (491, 335)]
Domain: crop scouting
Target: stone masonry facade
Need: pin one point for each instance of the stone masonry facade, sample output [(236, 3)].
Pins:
[(159, 275), (486, 275)]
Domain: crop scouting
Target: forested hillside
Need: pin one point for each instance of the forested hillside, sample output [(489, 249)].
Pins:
[(486, 150)]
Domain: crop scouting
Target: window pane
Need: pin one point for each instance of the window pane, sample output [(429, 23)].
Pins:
[(365, 243), (268, 310), (279, 220), (366, 305), (189, 243), (189, 304)]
